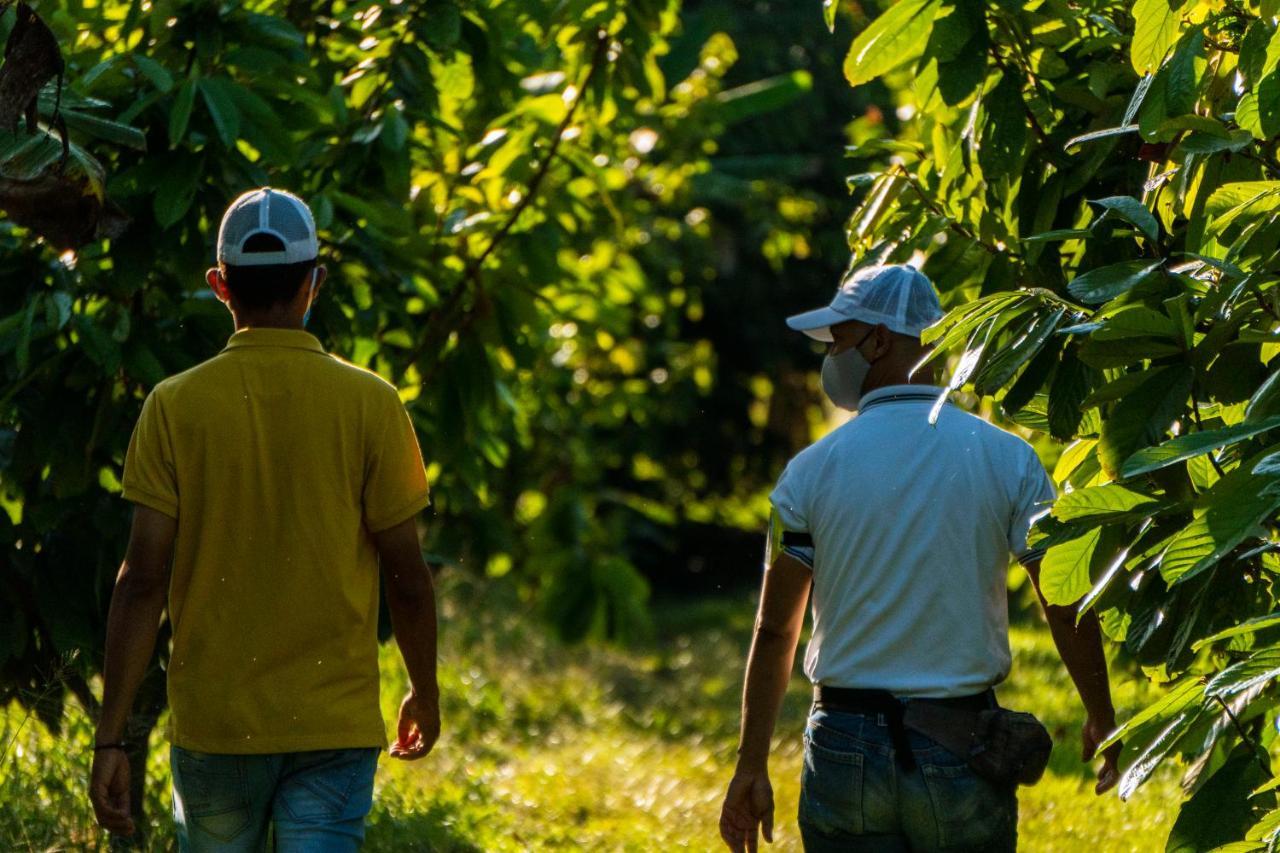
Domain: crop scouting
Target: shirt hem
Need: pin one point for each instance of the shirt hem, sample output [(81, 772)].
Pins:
[(293, 743)]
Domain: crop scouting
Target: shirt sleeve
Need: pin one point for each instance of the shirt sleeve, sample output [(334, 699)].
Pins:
[(1035, 498), (789, 525), (150, 476), (395, 485)]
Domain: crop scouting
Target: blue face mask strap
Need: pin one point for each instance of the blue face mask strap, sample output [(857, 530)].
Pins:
[(315, 275)]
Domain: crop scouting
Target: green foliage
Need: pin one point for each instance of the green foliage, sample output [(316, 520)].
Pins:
[(1113, 174), (523, 208), (549, 746)]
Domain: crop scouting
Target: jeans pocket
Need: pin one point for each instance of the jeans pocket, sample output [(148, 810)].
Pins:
[(211, 793), (831, 787), (971, 813), (329, 785)]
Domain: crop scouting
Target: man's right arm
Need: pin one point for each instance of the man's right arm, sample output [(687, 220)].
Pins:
[(1080, 647), (412, 601)]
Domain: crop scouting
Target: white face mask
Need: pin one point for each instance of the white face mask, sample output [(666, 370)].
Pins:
[(842, 378), (844, 373)]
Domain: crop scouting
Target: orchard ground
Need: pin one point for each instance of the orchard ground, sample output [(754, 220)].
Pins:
[(555, 747)]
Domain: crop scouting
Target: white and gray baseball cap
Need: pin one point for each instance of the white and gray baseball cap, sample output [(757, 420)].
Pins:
[(899, 296), (268, 211)]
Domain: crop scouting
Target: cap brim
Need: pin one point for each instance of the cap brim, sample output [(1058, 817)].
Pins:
[(817, 323)]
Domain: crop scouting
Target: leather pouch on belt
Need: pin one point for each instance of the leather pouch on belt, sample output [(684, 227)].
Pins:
[(1003, 746)]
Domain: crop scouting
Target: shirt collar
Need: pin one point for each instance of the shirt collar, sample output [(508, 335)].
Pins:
[(901, 393), (273, 337)]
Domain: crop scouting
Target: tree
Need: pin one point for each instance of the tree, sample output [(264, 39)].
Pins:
[(490, 181), (1094, 188)]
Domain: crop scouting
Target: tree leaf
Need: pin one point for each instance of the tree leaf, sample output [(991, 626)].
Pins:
[(1132, 211), (896, 37), (1064, 570), (154, 71), (180, 112), (1249, 626), (1193, 444), (1231, 510), (1106, 283), (762, 96), (1004, 132), (1142, 417), (1157, 27), (1102, 503), (222, 108)]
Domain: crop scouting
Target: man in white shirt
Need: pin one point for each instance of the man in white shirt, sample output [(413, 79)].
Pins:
[(902, 522)]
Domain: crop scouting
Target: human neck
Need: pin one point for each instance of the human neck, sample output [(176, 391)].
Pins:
[(268, 320)]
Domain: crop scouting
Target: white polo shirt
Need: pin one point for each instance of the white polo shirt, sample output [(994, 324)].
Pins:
[(913, 525)]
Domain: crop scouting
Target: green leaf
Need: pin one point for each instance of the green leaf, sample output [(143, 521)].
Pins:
[(1059, 234), (176, 192), (1004, 131), (1001, 368), (1106, 283), (1157, 27), (829, 14), (762, 96), (219, 99), (1132, 211), (1102, 503), (1230, 511), (180, 112), (1221, 810), (1138, 321), (154, 71), (1064, 571), (1142, 417), (1249, 626), (1071, 384), (111, 131), (896, 37), (1260, 667), (1186, 446)]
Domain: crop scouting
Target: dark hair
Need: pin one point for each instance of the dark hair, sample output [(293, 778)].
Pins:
[(259, 287)]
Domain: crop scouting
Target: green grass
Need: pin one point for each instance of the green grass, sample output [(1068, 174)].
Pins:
[(554, 747)]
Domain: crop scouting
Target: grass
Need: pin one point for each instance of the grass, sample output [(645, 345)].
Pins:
[(551, 747)]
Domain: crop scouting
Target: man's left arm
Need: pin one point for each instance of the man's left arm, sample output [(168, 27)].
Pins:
[(748, 804), (132, 625)]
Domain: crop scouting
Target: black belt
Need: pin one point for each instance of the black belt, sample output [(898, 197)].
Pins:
[(859, 701)]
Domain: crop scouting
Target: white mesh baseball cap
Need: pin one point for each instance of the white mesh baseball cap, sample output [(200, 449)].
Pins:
[(266, 211), (897, 295)]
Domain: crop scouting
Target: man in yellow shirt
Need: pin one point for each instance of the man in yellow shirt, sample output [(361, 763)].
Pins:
[(270, 483)]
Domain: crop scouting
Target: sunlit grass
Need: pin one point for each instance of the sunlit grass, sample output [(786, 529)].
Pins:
[(554, 747)]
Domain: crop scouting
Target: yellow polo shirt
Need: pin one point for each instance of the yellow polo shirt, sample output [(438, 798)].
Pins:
[(277, 460)]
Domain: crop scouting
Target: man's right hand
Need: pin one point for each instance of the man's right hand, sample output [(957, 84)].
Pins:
[(747, 809), (1095, 731), (419, 727)]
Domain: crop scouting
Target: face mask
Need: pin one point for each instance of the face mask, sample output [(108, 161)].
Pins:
[(843, 375), (315, 274)]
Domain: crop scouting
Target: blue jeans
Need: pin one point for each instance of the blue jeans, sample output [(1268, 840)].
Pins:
[(314, 801), (854, 796)]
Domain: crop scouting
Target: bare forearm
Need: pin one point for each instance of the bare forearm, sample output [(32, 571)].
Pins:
[(132, 625), (1080, 646), (413, 621), (768, 672)]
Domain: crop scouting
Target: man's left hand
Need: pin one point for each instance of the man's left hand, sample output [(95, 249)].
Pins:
[(1095, 731), (748, 806), (109, 791)]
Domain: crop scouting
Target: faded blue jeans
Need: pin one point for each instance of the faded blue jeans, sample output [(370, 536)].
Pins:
[(313, 801), (854, 796)]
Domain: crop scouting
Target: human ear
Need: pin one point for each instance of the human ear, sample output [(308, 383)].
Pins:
[(217, 284)]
